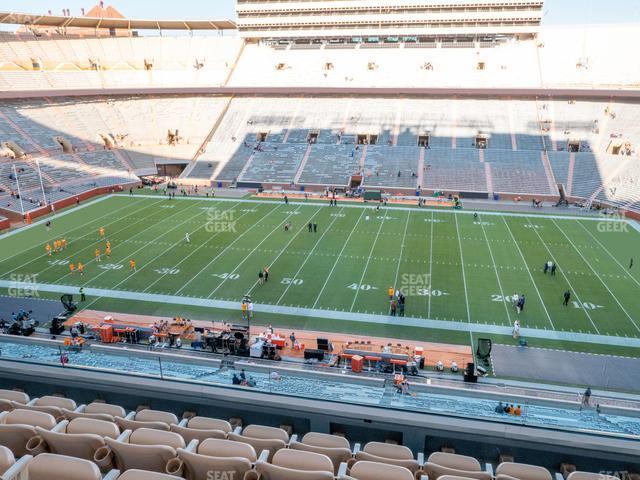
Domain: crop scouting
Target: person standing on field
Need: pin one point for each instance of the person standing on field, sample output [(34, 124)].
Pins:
[(567, 297)]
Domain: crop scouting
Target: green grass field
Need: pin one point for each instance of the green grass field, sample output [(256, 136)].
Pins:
[(452, 267)]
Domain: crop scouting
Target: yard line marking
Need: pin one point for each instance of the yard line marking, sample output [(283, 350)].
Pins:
[(430, 266), (228, 247), (308, 257), (515, 242), (326, 281), (626, 271), (464, 281), (130, 240), (495, 269), (599, 278), (404, 237), (300, 230), (575, 292), (364, 272), (80, 238), (258, 246), (196, 249)]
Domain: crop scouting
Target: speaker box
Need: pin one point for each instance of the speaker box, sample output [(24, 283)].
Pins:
[(323, 344), (470, 378), (310, 353)]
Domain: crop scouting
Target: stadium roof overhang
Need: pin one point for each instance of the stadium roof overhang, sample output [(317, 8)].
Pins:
[(13, 18)]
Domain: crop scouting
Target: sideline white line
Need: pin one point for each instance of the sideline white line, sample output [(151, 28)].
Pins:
[(563, 336), (364, 272), (328, 277), (430, 267), (599, 278), (308, 256), (575, 292), (400, 209), (515, 242)]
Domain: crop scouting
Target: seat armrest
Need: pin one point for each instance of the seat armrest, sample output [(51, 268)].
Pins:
[(17, 469), (237, 430), (424, 477), (130, 416), (559, 476), (124, 436), (112, 475), (32, 403), (60, 427), (421, 459), (264, 456), (81, 408), (356, 448), (489, 468), (342, 470), (294, 438), (193, 446), (184, 422), (2, 415)]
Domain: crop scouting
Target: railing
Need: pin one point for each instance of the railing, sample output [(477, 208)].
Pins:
[(452, 401)]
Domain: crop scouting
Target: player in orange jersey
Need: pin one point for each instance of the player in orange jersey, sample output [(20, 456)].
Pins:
[(48, 249), (72, 268), (98, 255), (80, 268), (108, 244), (107, 252), (132, 264), (101, 232), (63, 243)]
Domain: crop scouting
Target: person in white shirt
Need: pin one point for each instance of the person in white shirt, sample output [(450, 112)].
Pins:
[(187, 238)]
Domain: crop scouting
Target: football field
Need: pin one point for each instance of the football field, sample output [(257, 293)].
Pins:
[(458, 272)]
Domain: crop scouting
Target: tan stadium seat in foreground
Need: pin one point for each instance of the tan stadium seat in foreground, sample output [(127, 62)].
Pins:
[(81, 438), (389, 454), (10, 469), (295, 465), (49, 404), (378, 471), (522, 471), (145, 449), (143, 475), (435, 471), (589, 476), (455, 461), (201, 428), (335, 447), (10, 397), (147, 418), (96, 410), (18, 427), (47, 466), (217, 455), (262, 438)]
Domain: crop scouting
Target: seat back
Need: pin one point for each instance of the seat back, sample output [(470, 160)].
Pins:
[(134, 425), (59, 402), (105, 408), (47, 466), (95, 427), (589, 476), (457, 462), (153, 458), (435, 471), (336, 455), (300, 460), (268, 471), (142, 475), (78, 445), (214, 447), (387, 450), (148, 436), (190, 434), (259, 444), (55, 412), (325, 440), (14, 396), (71, 414), (380, 471), (523, 471), (30, 417), (197, 466), (148, 415), (7, 459), (205, 423), (266, 433)]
